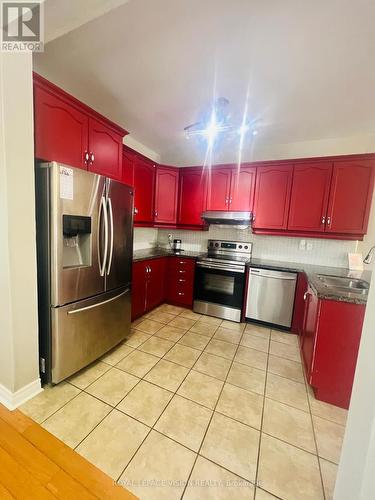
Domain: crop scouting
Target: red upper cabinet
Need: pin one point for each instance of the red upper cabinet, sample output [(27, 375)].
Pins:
[(61, 130), (144, 183), (309, 198), (218, 194), (242, 189), (128, 167), (105, 150), (272, 197), (192, 197), (350, 196), (166, 195)]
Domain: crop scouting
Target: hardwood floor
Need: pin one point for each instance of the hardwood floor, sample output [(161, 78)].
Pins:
[(34, 464)]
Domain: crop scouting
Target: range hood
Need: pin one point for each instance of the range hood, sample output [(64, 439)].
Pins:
[(227, 218)]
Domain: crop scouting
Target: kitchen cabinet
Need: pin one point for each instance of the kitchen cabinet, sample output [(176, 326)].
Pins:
[(180, 281), (192, 197), (299, 304), (272, 197), (350, 197), (128, 167), (166, 195), (329, 345), (144, 185), (218, 196), (148, 290), (309, 196), (69, 132)]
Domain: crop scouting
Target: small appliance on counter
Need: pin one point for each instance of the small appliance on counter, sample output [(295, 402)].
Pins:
[(176, 247), (220, 279)]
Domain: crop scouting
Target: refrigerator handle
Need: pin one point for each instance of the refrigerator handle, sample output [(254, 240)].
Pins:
[(81, 309), (103, 209), (111, 247)]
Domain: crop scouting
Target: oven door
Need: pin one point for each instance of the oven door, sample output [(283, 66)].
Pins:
[(219, 285)]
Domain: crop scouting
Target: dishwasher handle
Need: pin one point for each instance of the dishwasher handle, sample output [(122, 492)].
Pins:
[(279, 275)]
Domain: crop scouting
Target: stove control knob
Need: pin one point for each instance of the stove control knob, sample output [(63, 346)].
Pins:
[(246, 247), (239, 246), (216, 244)]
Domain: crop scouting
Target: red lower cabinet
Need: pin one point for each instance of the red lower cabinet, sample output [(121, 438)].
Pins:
[(180, 281), (329, 346), (147, 285), (139, 289)]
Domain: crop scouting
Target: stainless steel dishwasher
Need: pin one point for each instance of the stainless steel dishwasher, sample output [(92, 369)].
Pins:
[(270, 296)]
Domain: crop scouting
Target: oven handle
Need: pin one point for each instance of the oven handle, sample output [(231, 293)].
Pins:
[(221, 268)]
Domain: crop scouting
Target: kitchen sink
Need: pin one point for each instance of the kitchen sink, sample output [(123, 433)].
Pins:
[(344, 284)]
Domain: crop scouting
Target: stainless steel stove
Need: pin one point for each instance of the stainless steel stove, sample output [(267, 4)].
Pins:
[(220, 279)]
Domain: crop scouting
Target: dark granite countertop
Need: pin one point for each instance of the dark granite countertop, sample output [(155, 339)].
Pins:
[(153, 253), (312, 272)]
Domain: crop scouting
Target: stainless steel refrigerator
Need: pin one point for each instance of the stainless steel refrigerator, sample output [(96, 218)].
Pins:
[(84, 249)]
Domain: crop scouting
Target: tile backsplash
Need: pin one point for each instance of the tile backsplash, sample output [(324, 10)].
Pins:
[(315, 251), (144, 237)]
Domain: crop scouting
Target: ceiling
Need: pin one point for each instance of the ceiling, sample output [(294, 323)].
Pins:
[(305, 69)]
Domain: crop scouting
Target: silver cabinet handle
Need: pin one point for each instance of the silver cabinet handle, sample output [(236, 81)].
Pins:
[(92, 157), (112, 236), (230, 200), (253, 218), (329, 220), (87, 157), (135, 210), (226, 201), (323, 219), (103, 210), (81, 309), (156, 213), (181, 293)]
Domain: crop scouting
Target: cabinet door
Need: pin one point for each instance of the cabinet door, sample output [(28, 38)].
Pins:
[(106, 147), (272, 197), (218, 188), (350, 196), (128, 168), (61, 130), (144, 183), (155, 290), (242, 189), (309, 199), (166, 195), (310, 331), (193, 183), (138, 289)]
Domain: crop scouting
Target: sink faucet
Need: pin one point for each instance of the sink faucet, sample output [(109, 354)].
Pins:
[(368, 258)]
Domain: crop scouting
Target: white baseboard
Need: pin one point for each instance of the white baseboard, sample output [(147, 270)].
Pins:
[(13, 400)]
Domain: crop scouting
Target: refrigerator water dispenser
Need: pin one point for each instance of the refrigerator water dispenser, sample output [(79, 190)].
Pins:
[(77, 241)]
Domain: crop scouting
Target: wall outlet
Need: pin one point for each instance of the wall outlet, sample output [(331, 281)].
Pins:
[(302, 245), (309, 246)]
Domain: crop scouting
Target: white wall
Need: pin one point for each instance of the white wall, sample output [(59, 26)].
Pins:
[(141, 148), (369, 240), (19, 371)]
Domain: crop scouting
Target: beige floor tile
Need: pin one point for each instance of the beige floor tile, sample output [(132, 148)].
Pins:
[(329, 437), (156, 346), (204, 329), (111, 445), (48, 401), (247, 377), (117, 354), (288, 424), (149, 326), (161, 317), (145, 402), (255, 342), (211, 482), (181, 322), (113, 386), (201, 389), (190, 315), (241, 405), (137, 321), (288, 472), (88, 375), (232, 445), (171, 309), (329, 473), (194, 340), (232, 325), (232, 336), (221, 348), (138, 363), (136, 339), (287, 391), (74, 421), (326, 410), (285, 351), (263, 495), (251, 357), (257, 330), (167, 375), (284, 337), (170, 333), (162, 461), (215, 366), (183, 355), (285, 368), (185, 422), (210, 320)]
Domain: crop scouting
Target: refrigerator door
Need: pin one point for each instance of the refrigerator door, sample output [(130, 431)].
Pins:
[(120, 231), (85, 330), (77, 208)]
